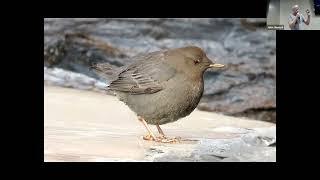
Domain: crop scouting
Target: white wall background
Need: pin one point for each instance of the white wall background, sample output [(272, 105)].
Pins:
[(274, 13)]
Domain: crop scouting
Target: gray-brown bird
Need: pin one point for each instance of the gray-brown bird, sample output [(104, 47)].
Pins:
[(162, 86)]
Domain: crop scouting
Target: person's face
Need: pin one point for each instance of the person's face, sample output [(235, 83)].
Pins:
[(296, 10)]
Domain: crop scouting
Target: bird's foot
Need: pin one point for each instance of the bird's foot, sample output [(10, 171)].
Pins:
[(162, 139), (165, 139), (149, 137)]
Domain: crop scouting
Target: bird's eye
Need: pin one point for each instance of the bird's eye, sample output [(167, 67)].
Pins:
[(196, 61)]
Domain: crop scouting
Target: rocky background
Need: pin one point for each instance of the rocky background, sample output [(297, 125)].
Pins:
[(246, 88)]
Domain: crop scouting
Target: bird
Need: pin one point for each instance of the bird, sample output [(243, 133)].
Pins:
[(160, 87)]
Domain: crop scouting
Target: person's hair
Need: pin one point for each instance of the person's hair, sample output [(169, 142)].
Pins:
[(294, 7)]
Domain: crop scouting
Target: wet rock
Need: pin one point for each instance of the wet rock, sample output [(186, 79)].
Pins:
[(64, 78), (251, 145)]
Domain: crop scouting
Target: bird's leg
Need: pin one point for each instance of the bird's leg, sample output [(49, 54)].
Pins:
[(149, 136), (160, 130), (165, 139)]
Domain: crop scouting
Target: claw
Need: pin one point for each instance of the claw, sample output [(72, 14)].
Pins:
[(149, 137), (165, 139)]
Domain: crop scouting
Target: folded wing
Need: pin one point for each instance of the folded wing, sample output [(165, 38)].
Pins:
[(145, 76)]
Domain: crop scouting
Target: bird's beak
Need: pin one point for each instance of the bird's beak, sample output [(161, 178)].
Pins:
[(216, 65)]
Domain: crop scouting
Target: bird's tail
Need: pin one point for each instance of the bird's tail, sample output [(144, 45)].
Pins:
[(105, 70)]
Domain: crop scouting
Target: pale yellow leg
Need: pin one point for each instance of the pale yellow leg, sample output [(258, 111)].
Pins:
[(149, 136), (160, 130), (165, 139)]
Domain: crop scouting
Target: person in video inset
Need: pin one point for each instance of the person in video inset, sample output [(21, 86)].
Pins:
[(296, 19)]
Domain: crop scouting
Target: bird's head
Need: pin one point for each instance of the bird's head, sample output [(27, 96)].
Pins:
[(192, 59)]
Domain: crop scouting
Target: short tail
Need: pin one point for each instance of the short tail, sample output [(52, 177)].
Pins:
[(104, 69)]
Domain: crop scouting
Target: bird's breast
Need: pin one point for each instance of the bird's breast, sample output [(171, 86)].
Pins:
[(187, 94)]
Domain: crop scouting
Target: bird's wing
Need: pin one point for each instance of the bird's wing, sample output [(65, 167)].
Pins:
[(144, 76)]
